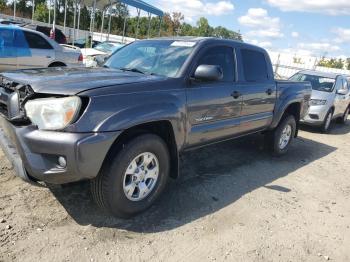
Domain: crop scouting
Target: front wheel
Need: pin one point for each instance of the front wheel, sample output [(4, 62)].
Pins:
[(326, 126), (281, 137), (134, 177), (345, 116)]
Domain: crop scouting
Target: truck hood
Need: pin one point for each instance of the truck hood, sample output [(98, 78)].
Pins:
[(71, 81)]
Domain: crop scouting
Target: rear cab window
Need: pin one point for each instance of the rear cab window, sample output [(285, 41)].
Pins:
[(254, 66)]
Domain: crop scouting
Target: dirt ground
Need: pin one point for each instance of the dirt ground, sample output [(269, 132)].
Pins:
[(234, 202)]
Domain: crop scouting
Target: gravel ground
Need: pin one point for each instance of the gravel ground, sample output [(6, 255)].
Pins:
[(233, 202)]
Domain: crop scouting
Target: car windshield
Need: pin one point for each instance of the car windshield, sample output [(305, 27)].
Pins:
[(107, 47), (152, 57), (319, 83)]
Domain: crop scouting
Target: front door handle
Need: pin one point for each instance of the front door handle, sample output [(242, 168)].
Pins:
[(269, 91), (236, 94), (48, 56)]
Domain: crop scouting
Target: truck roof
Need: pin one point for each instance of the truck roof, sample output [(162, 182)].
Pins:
[(205, 39)]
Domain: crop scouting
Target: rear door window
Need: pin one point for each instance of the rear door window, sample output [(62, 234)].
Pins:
[(254, 66), (36, 41)]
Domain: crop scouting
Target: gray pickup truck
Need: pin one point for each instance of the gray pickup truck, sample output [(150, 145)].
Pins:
[(124, 126)]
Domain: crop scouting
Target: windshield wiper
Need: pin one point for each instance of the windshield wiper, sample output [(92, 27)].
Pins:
[(132, 70)]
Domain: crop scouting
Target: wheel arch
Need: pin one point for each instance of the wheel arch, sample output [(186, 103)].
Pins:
[(161, 128), (56, 64), (293, 108)]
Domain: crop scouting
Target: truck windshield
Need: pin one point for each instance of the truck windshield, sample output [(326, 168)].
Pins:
[(152, 57), (318, 83)]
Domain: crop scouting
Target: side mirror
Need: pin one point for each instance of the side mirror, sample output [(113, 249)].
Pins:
[(208, 73), (342, 92)]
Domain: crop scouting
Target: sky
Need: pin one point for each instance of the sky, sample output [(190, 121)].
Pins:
[(302, 27)]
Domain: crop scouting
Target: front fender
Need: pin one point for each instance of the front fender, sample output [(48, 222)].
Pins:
[(110, 113)]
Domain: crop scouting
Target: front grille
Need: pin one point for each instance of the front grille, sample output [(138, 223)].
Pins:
[(12, 98)]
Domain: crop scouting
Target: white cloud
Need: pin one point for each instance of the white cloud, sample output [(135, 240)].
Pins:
[(219, 8), (317, 49), (330, 7), (261, 23), (343, 35), (264, 44), (295, 34), (266, 33), (296, 52), (193, 9)]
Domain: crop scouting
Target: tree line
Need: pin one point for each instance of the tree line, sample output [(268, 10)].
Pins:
[(335, 63), (172, 24)]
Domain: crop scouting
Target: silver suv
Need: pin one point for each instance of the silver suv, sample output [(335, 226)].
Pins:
[(330, 98), (22, 48)]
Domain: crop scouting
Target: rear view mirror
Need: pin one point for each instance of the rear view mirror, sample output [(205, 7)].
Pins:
[(342, 91), (208, 73)]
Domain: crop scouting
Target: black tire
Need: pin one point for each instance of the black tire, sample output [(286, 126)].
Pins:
[(274, 136), (107, 188), (344, 118), (326, 126)]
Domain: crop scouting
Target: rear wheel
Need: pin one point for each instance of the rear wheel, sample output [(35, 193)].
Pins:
[(282, 136), (134, 177), (326, 126)]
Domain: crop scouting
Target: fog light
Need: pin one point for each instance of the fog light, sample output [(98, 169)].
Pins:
[(62, 162)]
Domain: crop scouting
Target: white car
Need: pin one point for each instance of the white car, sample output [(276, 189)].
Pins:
[(22, 48), (103, 49), (330, 98)]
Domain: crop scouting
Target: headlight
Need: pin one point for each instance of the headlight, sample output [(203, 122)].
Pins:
[(317, 102), (53, 113)]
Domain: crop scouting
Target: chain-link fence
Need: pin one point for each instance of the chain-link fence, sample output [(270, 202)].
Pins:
[(286, 65)]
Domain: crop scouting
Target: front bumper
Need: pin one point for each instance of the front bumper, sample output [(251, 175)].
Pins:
[(34, 153), (316, 115)]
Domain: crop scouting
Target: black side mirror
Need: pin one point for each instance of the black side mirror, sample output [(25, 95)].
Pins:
[(208, 73)]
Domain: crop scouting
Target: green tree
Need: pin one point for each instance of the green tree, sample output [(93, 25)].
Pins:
[(348, 63), (2, 5), (331, 63), (204, 28), (41, 12), (187, 29)]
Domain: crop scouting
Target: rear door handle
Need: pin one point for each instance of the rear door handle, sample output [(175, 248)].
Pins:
[(269, 91), (236, 94)]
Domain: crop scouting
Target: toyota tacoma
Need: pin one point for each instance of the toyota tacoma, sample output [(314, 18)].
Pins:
[(123, 126)]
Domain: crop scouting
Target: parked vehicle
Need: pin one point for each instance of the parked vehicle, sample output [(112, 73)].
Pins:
[(82, 43), (94, 56), (59, 35), (10, 22), (330, 98), (25, 48), (124, 126)]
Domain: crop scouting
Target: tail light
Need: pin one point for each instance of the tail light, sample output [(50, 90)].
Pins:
[(80, 59)]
